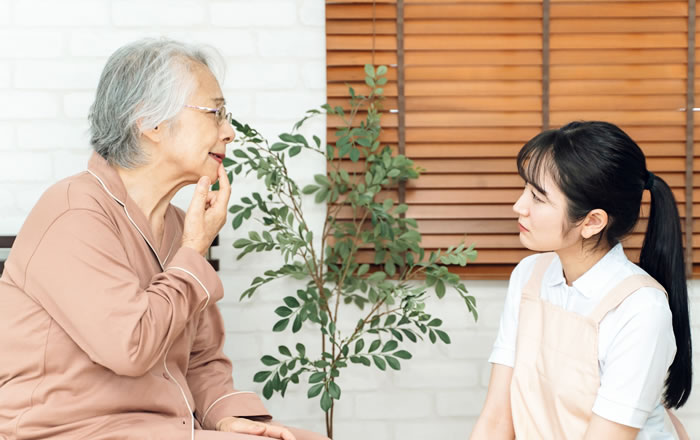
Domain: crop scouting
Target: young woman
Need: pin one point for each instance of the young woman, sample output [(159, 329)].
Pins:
[(591, 345)]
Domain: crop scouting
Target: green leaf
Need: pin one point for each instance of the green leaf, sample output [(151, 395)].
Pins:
[(291, 301), (278, 146), (317, 377), (326, 401), (377, 276), (381, 70), (237, 220), (393, 362), (310, 189), (390, 268), (315, 390), (283, 311), (321, 195), (269, 360), (241, 243), (267, 390), (379, 362), (359, 345), (443, 336), (374, 345), (355, 154), (240, 153), (369, 70), (261, 376), (403, 354), (334, 390), (301, 349), (440, 289), (284, 350), (296, 326), (435, 323), (390, 346), (280, 325), (362, 270), (322, 180), (294, 151)]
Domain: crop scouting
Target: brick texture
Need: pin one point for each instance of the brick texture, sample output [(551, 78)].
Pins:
[(51, 54)]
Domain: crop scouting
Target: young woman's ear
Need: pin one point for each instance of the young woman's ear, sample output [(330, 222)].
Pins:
[(594, 223)]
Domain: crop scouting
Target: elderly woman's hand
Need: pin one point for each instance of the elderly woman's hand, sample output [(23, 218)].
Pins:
[(207, 213), (251, 427)]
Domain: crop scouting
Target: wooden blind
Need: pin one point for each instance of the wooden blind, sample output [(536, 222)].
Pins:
[(484, 76), (360, 32), (473, 96), (625, 62)]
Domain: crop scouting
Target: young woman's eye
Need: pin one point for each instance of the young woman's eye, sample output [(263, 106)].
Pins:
[(535, 198)]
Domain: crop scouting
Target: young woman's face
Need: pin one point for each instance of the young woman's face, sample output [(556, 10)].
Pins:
[(542, 218)]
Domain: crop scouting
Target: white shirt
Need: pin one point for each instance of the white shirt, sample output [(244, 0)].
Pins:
[(636, 344)]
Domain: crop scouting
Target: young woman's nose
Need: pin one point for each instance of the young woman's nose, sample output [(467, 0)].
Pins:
[(520, 206)]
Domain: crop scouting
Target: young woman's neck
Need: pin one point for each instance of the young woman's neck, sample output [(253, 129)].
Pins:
[(578, 259)]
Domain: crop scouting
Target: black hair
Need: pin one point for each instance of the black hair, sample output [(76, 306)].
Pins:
[(598, 166)]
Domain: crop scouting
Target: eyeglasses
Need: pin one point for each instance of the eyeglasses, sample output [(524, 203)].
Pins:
[(220, 113)]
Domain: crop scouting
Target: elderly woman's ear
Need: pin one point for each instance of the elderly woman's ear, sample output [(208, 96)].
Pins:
[(154, 135)]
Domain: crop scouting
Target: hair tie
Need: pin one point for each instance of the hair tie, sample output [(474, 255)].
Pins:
[(650, 180)]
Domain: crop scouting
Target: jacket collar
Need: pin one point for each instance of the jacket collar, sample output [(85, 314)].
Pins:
[(113, 185)]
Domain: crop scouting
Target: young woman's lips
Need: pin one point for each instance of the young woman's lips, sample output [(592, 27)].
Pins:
[(522, 228), (217, 157)]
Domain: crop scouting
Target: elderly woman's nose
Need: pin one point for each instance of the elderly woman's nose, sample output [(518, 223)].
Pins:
[(228, 135)]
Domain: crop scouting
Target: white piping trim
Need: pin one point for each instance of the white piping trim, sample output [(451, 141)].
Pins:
[(165, 365), (169, 251), (105, 187), (206, 413), (184, 396), (197, 279), (132, 221)]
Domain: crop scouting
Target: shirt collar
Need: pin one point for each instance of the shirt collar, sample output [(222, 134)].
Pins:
[(596, 279), (108, 177)]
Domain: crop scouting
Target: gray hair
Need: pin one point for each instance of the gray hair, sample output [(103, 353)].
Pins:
[(143, 84)]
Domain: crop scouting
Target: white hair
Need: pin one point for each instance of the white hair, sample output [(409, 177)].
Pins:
[(143, 84)]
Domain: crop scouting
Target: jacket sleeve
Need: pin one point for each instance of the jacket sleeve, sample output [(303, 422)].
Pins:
[(209, 376), (81, 275)]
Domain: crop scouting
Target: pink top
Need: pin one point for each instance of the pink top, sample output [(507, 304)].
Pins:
[(104, 333)]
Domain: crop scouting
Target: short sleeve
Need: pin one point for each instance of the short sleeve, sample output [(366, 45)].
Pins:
[(635, 365), (504, 348)]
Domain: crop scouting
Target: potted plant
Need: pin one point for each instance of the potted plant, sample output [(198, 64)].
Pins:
[(390, 289)]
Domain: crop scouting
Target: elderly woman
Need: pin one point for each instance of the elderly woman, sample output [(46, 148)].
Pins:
[(108, 321)]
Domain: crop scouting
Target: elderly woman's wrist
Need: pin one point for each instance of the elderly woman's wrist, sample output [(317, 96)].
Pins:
[(195, 246)]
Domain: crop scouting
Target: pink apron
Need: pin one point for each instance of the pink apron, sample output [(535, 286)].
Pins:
[(556, 377)]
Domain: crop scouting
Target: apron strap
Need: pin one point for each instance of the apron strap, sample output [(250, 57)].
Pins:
[(534, 284), (620, 292), (678, 426)]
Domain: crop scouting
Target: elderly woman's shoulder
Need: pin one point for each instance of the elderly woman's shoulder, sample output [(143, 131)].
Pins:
[(81, 191)]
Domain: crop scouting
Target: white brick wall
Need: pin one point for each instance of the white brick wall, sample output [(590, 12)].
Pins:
[(50, 59)]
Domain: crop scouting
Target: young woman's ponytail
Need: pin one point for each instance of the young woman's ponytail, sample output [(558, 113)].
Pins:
[(662, 258)]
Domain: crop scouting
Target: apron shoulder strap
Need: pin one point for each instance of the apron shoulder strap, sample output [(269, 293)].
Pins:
[(620, 292), (533, 285), (678, 426)]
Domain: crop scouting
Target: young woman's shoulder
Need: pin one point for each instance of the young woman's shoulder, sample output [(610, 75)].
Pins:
[(523, 270)]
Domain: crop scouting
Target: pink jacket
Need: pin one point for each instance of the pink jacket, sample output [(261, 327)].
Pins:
[(105, 334)]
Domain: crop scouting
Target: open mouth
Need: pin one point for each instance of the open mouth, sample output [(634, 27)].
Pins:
[(217, 156)]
